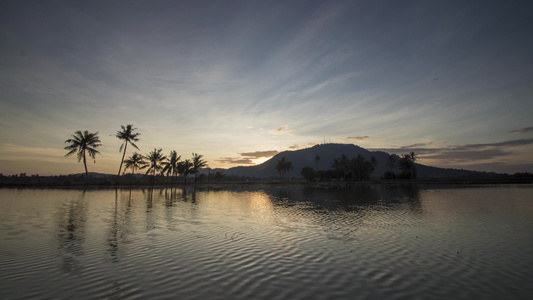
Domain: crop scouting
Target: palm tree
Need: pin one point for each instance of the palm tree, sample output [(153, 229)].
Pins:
[(128, 136), (373, 164), (170, 167), (288, 169), (280, 167), (135, 161), (413, 157), (391, 161), (185, 168), (197, 163), (317, 159), (154, 161), (283, 166), (82, 142), (407, 165)]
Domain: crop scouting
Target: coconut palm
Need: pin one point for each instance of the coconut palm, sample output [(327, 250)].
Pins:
[(413, 157), (135, 161), (170, 166), (82, 143), (407, 165), (128, 136), (197, 163), (185, 168), (154, 159), (317, 159), (391, 161), (283, 166)]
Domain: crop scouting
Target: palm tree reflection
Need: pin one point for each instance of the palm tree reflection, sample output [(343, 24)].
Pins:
[(71, 236)]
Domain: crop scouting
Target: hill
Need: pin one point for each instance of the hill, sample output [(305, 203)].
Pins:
[(328, 152)]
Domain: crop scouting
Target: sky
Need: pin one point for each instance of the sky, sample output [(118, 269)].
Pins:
[(239, 81)]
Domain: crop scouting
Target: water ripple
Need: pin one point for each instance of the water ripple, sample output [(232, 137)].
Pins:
[(267, 242)]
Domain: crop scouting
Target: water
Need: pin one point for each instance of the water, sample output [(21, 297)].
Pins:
[(268, 242)]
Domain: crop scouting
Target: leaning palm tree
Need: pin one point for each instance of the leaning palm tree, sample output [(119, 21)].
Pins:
[(128, 136), (135, 161), (82, 142), (197, 163), (154, 159)]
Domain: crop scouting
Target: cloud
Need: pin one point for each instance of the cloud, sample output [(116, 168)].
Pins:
[(422, 148), (246, 158), (460, 156), (469, 154), (521, 142), (417, 145), (282, 130), (296, 146), (235, 160), (259, 154), (355, 138), (522, 130)]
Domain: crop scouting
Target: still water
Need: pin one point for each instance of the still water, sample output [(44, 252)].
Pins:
[(268, 242)]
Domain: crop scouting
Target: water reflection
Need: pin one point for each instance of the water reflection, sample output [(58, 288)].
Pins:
[(348, 198), (71, 226), (120, 220), (264, 242)]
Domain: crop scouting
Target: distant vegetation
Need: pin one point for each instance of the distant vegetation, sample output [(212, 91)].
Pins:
[(342, 168), (330, 165), (360, 169), (283, 167)]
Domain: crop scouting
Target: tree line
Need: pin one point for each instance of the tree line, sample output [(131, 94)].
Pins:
[(342, 168), (85, 144), (358, 168)]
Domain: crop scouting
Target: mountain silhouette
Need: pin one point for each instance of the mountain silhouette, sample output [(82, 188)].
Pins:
[(328, 152)]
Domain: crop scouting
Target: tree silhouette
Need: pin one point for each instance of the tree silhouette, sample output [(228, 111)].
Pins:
[(82, 142), (407, 165), (218, 175), (413, 157), (154, 159), (391, 161), (283, 166), (317, 159), (308, 173), (126, 135), (185, 168), (170, 166), (135, 161), (197, 163)]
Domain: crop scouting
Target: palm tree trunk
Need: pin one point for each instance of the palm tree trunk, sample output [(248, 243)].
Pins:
[(85, 165), (123, 154)]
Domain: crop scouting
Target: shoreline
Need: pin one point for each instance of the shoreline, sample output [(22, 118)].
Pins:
[(220, 184)]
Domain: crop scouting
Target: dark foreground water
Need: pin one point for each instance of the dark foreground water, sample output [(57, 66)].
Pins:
[(268, 242)]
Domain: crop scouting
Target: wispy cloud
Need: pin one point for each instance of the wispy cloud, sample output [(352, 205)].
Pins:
[(297, 146), (259, 154), (282, 130), (468, 154), (521, 142), (235, 160), (246, 158), (417, 145), (522, 130), (355, 138)]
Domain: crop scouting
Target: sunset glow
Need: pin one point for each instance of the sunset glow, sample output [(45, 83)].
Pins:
[(239, 81)]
